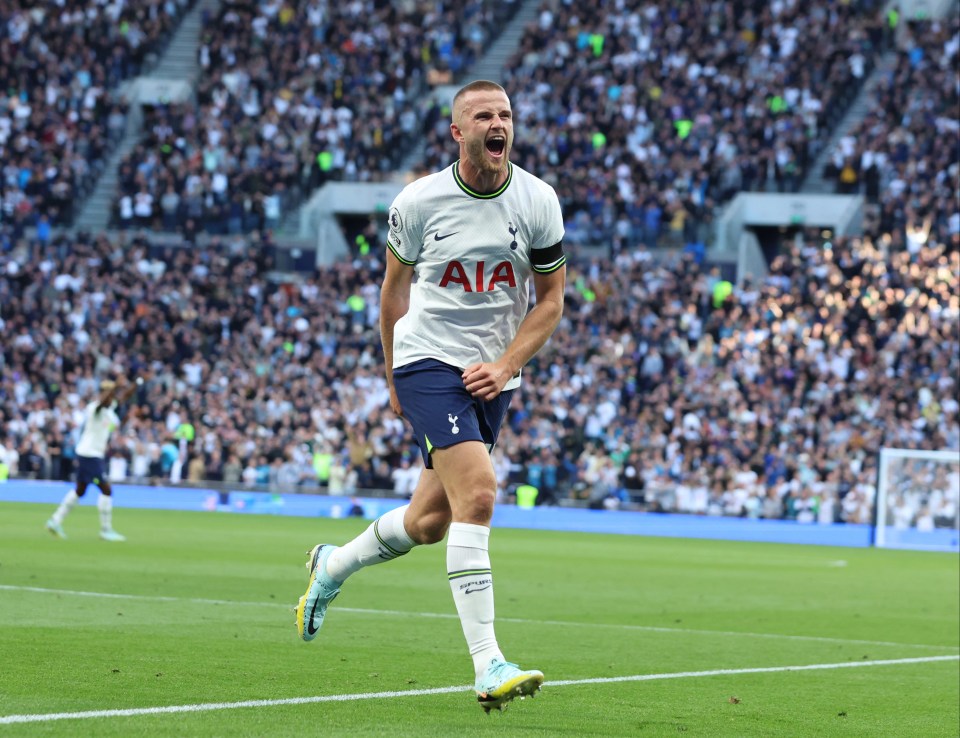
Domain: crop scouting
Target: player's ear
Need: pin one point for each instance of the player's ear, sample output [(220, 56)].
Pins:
[(456, 133)]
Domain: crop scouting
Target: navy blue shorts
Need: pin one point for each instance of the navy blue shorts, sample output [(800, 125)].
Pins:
[(89, 470), (440, 409)]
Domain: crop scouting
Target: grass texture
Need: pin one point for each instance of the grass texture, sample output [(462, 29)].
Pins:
[(187, 629)]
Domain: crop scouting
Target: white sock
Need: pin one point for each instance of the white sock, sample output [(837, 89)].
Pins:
[(471, 581), (384, 540), (66, 505), (105, 506)]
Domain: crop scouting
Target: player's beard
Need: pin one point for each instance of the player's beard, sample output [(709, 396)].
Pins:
[(477, 154)]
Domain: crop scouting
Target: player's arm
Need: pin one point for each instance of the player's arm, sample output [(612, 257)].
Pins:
[(486, 381), (394, 303), (128, 391)]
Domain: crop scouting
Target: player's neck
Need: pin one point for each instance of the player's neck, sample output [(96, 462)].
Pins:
[(483, 182)]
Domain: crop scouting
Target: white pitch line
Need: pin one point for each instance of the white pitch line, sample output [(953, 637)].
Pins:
[(755, 670), (211, 706), (520, 621)]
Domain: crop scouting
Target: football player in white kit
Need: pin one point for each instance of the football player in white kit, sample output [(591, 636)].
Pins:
[(457, 328), (100, 418)]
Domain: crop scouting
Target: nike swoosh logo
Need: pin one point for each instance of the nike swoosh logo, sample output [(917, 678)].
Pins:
[(438, 237), (478, 589), (311, 629)]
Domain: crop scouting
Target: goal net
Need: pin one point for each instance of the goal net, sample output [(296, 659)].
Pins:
[(917, 499)]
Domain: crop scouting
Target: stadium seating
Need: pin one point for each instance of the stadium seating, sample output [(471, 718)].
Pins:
[(60, 114), (289, 98), (666, 388), (903, 155), (645, 117), (656, 392)]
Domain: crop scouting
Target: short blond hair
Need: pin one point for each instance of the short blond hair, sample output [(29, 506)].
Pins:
[(478, 85)]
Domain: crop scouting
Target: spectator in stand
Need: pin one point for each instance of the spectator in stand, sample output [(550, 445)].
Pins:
[(903, 155), (843, 347), (56, 130), (406, 476), (886, 363), (641, 119), (324, 92)]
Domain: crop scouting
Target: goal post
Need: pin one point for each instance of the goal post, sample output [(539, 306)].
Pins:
[(918, 495)]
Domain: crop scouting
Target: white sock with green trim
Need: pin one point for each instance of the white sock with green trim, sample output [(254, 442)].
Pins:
[(384, 540), (66, 505), (471, 581), (105, 506)]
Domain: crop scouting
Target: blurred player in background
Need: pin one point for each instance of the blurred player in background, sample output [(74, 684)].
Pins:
[(100, 419), (455, 341)]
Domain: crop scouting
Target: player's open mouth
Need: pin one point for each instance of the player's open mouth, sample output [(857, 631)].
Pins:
[(496, 145)]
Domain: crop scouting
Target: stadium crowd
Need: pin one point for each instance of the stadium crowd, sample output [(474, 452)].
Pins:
[(642, 118), (665, 387), (903, 156), (60, 114), (637, 114), (291, 95)]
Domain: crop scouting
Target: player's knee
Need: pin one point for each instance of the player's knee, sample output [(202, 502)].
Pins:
[(430, 528), (429, 536), (478, 507)]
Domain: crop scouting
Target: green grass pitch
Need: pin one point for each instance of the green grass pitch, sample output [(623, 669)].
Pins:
[(192, 617)]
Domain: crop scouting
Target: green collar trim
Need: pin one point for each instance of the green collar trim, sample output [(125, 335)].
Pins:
[(481, 195)]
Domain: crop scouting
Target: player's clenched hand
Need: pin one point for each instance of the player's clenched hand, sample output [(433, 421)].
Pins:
[(485, 381)]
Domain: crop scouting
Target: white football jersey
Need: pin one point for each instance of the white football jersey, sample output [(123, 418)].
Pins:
[(96, 430), (473, 255)]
